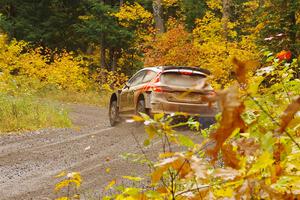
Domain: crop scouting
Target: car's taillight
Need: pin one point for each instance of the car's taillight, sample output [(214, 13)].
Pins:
[(211, 94), (157, 89), (210, 97), (161, 88)]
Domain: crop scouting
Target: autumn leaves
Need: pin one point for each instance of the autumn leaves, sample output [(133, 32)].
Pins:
[(247, 155)]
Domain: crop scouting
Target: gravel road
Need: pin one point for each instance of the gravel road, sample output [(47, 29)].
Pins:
[(29, 161)]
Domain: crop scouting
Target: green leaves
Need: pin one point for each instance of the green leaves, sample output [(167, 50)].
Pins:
[(185, 141), (146, 142), (267, 142), (158, 117), (133, 178), (265, 160), (151, 130), (111, 184), (70, 181)]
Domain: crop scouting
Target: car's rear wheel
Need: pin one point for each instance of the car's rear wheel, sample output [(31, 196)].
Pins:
[(141, 107), (113, 113)]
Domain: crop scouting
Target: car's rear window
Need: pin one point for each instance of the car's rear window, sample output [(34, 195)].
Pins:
[(181, 79)]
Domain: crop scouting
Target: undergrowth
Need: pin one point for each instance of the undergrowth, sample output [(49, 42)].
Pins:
[(18, 113)]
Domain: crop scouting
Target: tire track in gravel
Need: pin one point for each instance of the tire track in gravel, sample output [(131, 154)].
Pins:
[(29, 161)]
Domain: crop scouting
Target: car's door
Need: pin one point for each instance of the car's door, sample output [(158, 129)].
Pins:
[(138, 86), (129, 88)]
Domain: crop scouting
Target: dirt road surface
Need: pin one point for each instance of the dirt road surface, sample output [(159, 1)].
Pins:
[(29, 161)]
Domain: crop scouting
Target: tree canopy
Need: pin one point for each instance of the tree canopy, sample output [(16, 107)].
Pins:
[(123, 31)]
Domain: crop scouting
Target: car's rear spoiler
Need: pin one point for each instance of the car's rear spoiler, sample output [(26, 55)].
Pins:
[(205, 71)]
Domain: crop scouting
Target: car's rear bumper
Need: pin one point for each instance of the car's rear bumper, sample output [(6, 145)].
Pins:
[(202, 110)]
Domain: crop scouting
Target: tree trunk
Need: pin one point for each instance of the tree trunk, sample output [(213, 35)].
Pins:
[(226, 17), (157, 12), (102, 57), (89, 50), (111, 58), (121, 2), (261, 3), (114, 61), (293, 24)]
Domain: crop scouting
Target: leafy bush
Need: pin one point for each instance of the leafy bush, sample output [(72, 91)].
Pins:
[(28, 77), (24, 74), (70, 182), (109, 80), (18, 61), (251, 153), (206, 47)]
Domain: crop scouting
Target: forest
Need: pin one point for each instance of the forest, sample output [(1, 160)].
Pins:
[(79, 51)]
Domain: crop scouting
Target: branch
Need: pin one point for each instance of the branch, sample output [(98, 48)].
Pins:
[(142, 150), (273, 120)]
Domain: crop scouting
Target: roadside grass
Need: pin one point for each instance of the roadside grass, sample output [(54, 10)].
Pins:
[(18, 113), (31, 109), (91, 97)]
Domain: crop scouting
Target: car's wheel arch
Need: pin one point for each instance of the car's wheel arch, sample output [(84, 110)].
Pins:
[(145, 97), (114, 97)]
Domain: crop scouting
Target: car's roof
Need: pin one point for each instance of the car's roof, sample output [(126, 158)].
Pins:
[(163, 68)]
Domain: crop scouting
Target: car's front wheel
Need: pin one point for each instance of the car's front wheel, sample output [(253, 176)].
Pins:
[(113, 113)]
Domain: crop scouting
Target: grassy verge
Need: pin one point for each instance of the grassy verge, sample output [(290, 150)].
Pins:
[(88, 97), (43, 108), (30, 113)]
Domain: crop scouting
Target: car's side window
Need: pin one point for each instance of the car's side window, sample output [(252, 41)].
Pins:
[(150, 75), (137, 79)]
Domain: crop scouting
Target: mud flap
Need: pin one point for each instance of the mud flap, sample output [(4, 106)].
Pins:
[(147, 97), (206, 122)]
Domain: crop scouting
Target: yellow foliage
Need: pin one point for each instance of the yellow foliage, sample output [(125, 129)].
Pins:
[(35, 68), (70, 181), (110, 185), (216, 52), (209, 28), (73, 177), (171, 48), (109, 80), (206, 47), (62, 198), (169, 3), (133, 13), (214, 4), (66, 71), (137, 17)]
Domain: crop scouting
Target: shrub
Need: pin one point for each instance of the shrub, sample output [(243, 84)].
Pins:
[(63, 70), (252, 152), (108, 81)]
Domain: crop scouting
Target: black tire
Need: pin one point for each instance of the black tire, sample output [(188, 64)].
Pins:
[(113, 113), (141, 107)]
